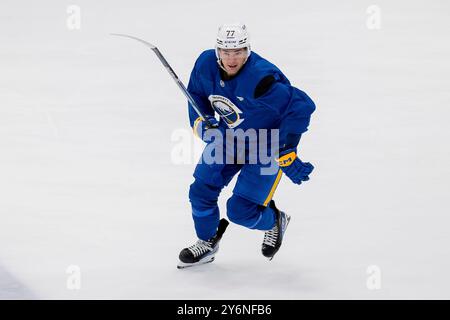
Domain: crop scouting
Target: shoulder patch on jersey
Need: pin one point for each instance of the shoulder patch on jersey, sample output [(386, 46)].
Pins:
[(263, 86)]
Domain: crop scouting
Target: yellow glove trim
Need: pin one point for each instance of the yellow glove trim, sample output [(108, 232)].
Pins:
[(194, 127), (287, 159)]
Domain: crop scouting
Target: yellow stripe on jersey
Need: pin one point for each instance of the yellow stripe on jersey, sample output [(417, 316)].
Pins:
[(274, 187)]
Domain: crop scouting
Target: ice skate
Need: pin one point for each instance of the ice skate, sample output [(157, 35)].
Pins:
[(202, 251), (274, 237)]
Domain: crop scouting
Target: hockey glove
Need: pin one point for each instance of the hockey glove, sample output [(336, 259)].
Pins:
[(200, 127), (293, 167)]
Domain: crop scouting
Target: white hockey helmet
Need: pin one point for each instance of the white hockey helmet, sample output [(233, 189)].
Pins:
[(232, 36)]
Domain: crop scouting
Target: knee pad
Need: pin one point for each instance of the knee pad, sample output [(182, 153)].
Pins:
[(242, 211)]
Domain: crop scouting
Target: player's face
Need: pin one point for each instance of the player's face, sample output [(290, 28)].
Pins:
[(233, 59)]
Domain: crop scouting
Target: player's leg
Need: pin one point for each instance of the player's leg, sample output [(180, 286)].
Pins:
[(252, 206), (205, 212), (250, 214), (203, 195)]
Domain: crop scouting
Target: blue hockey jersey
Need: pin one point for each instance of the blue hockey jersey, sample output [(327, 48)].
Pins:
[(238, 102)]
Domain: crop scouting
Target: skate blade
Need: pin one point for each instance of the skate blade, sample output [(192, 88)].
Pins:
[(182, 265)]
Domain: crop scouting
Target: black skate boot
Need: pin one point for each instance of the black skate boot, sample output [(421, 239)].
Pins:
[(274, 237), (202, 251)]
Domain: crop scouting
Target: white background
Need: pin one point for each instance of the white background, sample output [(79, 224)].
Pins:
[(87, 176)]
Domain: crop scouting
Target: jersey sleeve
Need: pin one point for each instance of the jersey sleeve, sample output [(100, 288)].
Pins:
[(295, 109), (195, 90), (296, 117)]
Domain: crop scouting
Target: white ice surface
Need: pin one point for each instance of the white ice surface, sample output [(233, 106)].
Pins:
[(86, 176)]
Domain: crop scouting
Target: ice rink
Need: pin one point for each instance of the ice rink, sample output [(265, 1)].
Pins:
[(94, 202)]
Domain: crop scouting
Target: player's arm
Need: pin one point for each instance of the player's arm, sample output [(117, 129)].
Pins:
[(294, 122), (296, 109)]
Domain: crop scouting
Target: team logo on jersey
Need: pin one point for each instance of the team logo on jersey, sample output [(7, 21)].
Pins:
[(227, 110)]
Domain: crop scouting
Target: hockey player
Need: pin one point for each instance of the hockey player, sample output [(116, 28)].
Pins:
[(246, 92)]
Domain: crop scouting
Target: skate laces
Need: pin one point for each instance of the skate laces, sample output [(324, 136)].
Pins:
[(200, 247), (270, 236)]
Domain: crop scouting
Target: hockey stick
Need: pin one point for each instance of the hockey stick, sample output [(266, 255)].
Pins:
[(173, 75)]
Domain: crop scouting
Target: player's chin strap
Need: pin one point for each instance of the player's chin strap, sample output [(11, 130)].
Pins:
[(219, 62)]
